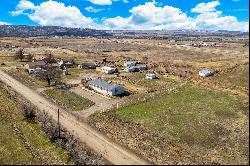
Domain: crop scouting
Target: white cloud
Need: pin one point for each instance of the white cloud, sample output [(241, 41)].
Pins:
[(214, 21), (4, 23), (211, 19), (55, 13), (151, 16), (101, 2), (206, 7), (106, 2), (117, 23), (22, 6), (91, 9)]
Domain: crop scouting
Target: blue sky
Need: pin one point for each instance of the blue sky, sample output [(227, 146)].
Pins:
[(129, 14)]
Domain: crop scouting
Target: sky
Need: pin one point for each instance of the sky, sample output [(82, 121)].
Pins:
[(129, 14)]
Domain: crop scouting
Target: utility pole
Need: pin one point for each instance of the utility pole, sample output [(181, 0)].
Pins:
[(59, 130)]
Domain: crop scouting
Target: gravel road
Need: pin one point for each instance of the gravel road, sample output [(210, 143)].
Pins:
[(111, 151)]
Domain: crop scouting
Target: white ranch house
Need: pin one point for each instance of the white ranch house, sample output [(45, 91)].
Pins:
[(106, 88)]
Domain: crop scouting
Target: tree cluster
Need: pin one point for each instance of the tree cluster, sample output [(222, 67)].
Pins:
[(20, 54), (50, 74)]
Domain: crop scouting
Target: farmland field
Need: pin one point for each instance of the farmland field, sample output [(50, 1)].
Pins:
[(186, 126), (22, 142), (179, 118)]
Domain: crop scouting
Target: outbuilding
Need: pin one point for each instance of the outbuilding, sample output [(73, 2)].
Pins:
[(88, 65), (107, 69), (206, 73), (35, 67), (129, 64), (151, 76), (67, 63), (131, 69)]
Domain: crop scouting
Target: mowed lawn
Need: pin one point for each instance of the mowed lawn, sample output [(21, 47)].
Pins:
[(199, 126), (68, 99), (22, 142)]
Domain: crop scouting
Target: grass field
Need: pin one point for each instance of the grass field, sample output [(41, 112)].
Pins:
[(73, 73), (22, 142), (70, 100), (188, 126), (236, 78), (138, 83)]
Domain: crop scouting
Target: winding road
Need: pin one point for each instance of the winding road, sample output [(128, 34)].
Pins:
[(111, 151)]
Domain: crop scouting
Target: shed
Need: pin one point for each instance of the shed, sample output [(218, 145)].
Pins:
[(206, 73), (67, 63), (131, 69), (107, 69), (129, 64), (151, 76), (88, 65)]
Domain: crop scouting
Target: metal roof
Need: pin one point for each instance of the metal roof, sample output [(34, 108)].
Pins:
[(103, 84), (206, 71), (36, 64)]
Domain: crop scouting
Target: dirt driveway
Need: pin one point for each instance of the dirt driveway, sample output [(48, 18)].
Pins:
[(111, 151), (102, 103)]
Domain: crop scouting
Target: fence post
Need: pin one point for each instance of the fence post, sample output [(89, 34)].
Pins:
[(59, 129)]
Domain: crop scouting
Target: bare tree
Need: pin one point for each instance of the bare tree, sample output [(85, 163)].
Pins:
[(19, 54), (49, 56), (28, 112), (29, 57), (50, 74)]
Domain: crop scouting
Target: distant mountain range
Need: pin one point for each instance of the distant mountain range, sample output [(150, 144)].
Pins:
[(49, 31), (34, 31)]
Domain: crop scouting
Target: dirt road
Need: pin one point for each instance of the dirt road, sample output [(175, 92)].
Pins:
[(111, 151)]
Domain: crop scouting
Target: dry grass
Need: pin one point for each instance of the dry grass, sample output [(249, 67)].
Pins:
[(186, 126), (23, 142)]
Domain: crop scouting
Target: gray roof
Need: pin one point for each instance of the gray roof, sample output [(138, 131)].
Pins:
[(206, 71), (36, 64), (103, 84)]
